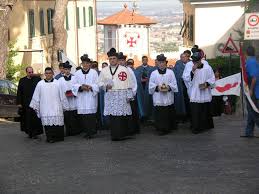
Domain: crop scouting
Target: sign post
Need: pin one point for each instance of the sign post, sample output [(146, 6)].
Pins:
[(231, 48)]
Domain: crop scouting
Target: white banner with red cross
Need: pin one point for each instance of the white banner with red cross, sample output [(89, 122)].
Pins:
[(133, 41), (227, 86)]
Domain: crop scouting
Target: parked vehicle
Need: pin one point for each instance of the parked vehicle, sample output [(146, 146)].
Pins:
[(8, 93)]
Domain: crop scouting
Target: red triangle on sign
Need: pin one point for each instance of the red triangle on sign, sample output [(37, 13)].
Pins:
[(230, 47)]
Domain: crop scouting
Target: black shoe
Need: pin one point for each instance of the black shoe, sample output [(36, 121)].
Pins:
[(247, 136), (51, 141), (196, 131), (88, 136), (161, 133), (35, 137)]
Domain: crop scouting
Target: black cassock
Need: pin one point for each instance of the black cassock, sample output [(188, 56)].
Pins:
[(165, 119), (30, 123), (217, 106), (133, 120), (201, 117)]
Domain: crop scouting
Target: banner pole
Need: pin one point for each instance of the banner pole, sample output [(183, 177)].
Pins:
[(242, 81)]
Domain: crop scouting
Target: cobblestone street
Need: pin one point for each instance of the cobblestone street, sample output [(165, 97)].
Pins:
[(217, 161)]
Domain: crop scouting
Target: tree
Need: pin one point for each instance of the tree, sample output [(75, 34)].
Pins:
[(5, 10), (59, 31)]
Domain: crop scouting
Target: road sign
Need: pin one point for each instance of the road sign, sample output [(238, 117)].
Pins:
[(252, 26), (230, 47)]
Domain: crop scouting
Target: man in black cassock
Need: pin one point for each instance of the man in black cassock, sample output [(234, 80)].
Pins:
[(30, 123)]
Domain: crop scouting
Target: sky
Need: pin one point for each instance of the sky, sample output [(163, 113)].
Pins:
[(147, 6)]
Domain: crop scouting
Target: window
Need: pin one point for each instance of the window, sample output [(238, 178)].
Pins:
[(4, 87), (109, 39), (67, 22), (31, 23), (78, 17), (84, 17), (42, 27), (12, 88), (91, 19), (50, 14)]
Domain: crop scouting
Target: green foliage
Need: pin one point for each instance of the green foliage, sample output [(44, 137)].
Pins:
[(227, 66), (251, 6), (14, 71)]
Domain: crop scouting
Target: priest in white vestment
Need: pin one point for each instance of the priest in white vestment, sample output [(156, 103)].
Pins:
[(71, 117), (200, 80), (85, 88), (162, 86), (47, 102), (117, 82)]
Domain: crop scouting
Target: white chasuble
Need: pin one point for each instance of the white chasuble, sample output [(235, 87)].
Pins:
[(47, 102), (161, 98), (87, 101)]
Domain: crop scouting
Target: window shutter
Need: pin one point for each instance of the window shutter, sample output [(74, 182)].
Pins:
[(42, 27), (31, 24), (91, 22), (78, 17)]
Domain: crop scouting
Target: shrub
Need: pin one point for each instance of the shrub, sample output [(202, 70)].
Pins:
[(14, 71), (228, 67)]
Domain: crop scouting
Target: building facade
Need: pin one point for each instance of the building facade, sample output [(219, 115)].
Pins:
[(209, 23), (31, 29), (128, 32)]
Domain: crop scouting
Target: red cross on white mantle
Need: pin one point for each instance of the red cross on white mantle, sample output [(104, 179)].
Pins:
[(122, 76), (131, 41)]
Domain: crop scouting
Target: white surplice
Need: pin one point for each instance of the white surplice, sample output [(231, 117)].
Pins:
[(67, 85), (134, 81), (205, 74), (115, 99), (187, 74), (87, 102), (156, 80), (47, 102)]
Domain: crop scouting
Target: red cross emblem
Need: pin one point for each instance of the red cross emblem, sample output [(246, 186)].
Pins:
[(131, 41), (122, 76)]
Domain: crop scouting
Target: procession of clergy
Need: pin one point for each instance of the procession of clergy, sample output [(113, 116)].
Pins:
[(118, 98)]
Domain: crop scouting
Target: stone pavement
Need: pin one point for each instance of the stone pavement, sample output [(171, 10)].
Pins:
[(214, 162)]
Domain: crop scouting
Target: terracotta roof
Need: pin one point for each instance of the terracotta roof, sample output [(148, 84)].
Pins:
[(126, 17)]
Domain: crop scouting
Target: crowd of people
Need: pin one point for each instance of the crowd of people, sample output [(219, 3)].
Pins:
[(119, 98)]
